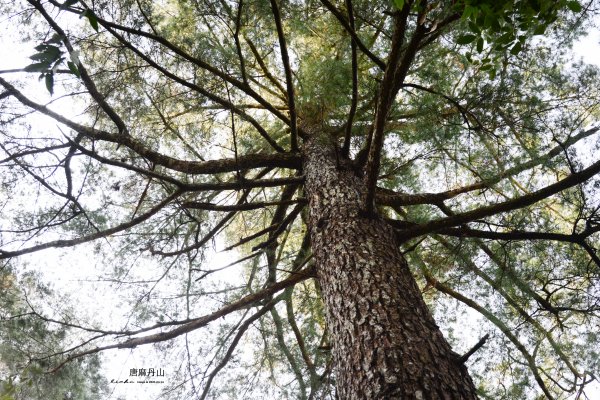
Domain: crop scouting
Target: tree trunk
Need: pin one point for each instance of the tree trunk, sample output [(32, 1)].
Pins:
[(385, 342)]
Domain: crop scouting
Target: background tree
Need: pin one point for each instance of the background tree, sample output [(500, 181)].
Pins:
[(324, 144), (25, 340)]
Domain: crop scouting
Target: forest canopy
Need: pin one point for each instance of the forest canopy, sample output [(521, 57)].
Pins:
[(310, 199)]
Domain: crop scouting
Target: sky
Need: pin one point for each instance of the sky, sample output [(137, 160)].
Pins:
[(119, 363)]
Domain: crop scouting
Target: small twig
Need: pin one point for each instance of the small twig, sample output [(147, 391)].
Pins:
[(469, 353)]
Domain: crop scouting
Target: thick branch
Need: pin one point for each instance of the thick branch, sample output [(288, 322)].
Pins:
[(509, 205), (288, 75), (395, 73), (238, 207), (189, 167)]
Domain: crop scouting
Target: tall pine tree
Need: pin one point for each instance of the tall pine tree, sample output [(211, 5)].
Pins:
[(364, 163)]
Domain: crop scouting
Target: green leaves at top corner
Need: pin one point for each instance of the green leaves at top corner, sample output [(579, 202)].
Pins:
[(92, 18), (574, 6), (68, 3), (398, 4)]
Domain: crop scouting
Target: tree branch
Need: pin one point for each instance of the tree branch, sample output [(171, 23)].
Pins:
[(395, 72), (354, 104), (200, 322), (288, 75), (390, 198), (509, 205), (190, 167), (4, 254), (340, 17)]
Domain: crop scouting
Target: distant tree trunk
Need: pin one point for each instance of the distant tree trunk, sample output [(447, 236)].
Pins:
[(385, 342)]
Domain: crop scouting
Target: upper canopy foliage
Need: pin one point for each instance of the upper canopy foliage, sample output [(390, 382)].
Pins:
[(176, 128)]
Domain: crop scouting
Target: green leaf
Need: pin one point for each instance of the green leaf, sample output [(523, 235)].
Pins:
[(49, 80), (474, 28), (574, 6), (92, 18), (469, 10), (56, 38), (540, 30), (506, 38), (57, 64), (516, 49), (480, 45), (399, 4), (73, 68), (68, 3), (37, 67), (48, 55), (466, 39), (39, 57)]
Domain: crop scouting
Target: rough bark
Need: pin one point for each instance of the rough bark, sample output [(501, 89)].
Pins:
[(385, 342)]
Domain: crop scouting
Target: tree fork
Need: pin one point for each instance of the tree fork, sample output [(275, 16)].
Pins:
[(386, 344)]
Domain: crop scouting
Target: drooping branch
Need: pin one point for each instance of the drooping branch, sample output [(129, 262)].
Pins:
[(244, 87), (285, 349), (21, 154), (85, 76), (238, 46), (431, 280), (463, 111), (279, 230), (264, 68), (213, 231), (471, 266), (240, 333), (203, 91)]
